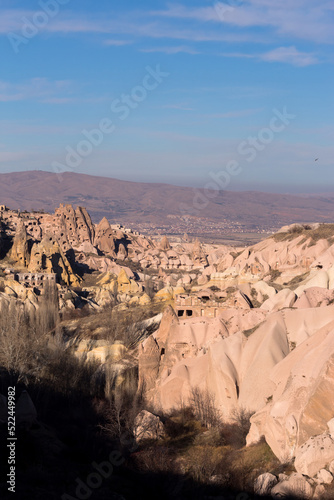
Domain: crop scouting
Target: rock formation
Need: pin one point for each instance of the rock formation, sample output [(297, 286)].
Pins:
[(20, 250), (105, 238), (47, 256), (164, 244)]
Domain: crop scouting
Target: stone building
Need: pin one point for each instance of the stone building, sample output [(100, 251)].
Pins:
[(203, 303), (35, 279)]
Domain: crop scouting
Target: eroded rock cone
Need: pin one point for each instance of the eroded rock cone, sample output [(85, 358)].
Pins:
[(47, 256), (164, 244), (197, 254), (20, 252), (105, 238), (122, 252)]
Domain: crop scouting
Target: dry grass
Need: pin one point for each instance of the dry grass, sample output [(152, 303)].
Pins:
[(250, 331), (111, 324), (323, 232), (295, 282)]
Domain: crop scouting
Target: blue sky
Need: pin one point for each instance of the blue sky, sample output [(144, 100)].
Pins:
[(228, 69)]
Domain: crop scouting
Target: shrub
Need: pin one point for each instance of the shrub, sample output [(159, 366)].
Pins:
[(155, 459), (120, 411), (202, 462), (241, 418), (203, 405)]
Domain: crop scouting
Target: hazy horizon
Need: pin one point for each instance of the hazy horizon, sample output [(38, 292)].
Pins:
[(170, 92)]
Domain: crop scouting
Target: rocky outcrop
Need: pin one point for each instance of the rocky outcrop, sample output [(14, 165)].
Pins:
[(47, 256), (20, 251), (291, 252), (164, 244), (198, 255), (126, 285), (105, 239), (148, 426), (70, 225), (284, 298), (316, 453), (303, 383), (264, 484), (294, 486)]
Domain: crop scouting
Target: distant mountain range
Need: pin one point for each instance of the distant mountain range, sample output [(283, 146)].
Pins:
[(160, 204)]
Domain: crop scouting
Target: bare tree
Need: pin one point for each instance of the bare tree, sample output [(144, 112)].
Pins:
[(21, 343), (203, 405)]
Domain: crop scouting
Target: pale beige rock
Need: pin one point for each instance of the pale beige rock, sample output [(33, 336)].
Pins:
[(318, 278), (314, 454), (15, 289), (104, 353), (284, 298), (144, 300), (198, 255), (47, 256), (105, 239), (116, 352), (86, 247), (10, 292), (165, 294), (330, 425), (164, 244), (148, 426), (104, 297), (296, 485), (264, 484), (264, 289), (319, 492), (122, 252), (324, 477), (331, 465), (294, 255), (303, 385), (178, 290), (266, 347), (19, 251), (178, 356), (126, 285), (315, 297)]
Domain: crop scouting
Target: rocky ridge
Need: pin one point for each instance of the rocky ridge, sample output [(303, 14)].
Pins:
[(254, 327)]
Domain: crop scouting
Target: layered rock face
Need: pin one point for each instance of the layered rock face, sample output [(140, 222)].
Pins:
[(105, 239), (293, 250), (20, 250), (95, 245), (252, 327), (303, 385), (48, 257), (277, 364)]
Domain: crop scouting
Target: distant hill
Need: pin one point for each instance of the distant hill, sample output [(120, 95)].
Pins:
[(159, 204)]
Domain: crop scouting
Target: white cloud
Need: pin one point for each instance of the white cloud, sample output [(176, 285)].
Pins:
[(129, 25), (236, 113), (289, 55), (117, 43), (180, 107), (302, 19), (172, 50), (40, 89)]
